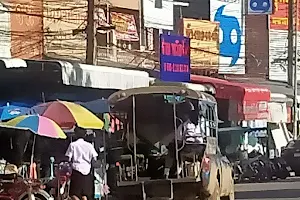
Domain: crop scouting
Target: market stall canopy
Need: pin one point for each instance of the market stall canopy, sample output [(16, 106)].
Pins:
[(10, 63), (238, 91), (102, 76), (37, 124), (238, 101), (97, 106), (76, 74), (281, 98), (68, 114)]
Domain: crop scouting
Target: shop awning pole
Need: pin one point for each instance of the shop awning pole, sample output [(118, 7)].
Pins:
[(295, 116), (134, 137), (176, 137), (290, 57)]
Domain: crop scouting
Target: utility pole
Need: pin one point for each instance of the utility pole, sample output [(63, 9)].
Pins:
[(290, 42), (90, 32), (142, 27), (295, 120)]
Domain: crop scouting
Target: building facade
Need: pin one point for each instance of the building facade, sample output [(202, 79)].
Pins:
[(27, 29)]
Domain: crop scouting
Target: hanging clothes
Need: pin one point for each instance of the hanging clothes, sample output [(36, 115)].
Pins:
[(112, 123)]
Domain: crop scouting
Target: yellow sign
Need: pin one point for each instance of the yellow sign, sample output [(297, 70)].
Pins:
[(204, 37)]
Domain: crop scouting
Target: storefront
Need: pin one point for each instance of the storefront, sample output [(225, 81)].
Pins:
[(238, 101), (243, 108)]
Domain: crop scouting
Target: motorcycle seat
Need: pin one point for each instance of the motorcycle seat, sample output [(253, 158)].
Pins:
[(8, 177)]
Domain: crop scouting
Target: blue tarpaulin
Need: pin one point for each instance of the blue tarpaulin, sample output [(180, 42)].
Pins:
[(8, 112), (97, 106)]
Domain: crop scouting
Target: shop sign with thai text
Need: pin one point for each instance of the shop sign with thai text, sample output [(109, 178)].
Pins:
[(204, 36), (279, 20), (174, 58), (126, 29)]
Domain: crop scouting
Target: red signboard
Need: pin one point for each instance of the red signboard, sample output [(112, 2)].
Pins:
[(279, 20)]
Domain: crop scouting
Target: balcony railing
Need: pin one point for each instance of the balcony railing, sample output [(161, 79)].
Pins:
[(127, 58)]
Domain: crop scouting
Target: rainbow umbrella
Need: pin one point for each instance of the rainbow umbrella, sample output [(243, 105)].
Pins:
[(37, 124), (68, 114)]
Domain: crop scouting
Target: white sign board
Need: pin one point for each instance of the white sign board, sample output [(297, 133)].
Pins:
[(232, 35), (278, 50), (158, 14)]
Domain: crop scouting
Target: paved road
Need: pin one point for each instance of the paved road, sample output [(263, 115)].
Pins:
[(279, 190)]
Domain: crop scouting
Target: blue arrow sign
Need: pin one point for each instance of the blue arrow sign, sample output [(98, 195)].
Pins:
[(260, 7)]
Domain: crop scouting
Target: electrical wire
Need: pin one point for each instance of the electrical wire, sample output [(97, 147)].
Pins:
[(65, 32)]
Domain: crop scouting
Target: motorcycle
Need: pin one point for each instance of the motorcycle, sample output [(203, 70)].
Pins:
[(63, 174), (283, 170), (14, 187), (255, 169), (60, 185)]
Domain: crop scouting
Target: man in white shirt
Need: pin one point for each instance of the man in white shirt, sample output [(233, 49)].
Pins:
[(81, 154), (188, 131)]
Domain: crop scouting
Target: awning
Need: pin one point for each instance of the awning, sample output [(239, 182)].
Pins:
[(76, 74), (281, 98), (103, 77), (9, 63), (238, 101), (97, 106), (233, 90)]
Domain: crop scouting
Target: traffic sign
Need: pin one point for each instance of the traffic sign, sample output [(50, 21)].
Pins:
[(260, 7)]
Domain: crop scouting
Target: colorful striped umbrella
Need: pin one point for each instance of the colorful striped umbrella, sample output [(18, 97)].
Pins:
[(68, 114), (37, 124)]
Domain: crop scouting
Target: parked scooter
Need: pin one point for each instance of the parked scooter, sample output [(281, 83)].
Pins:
[(63, 174), (283, 170), (259, 168), (14, 187)]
